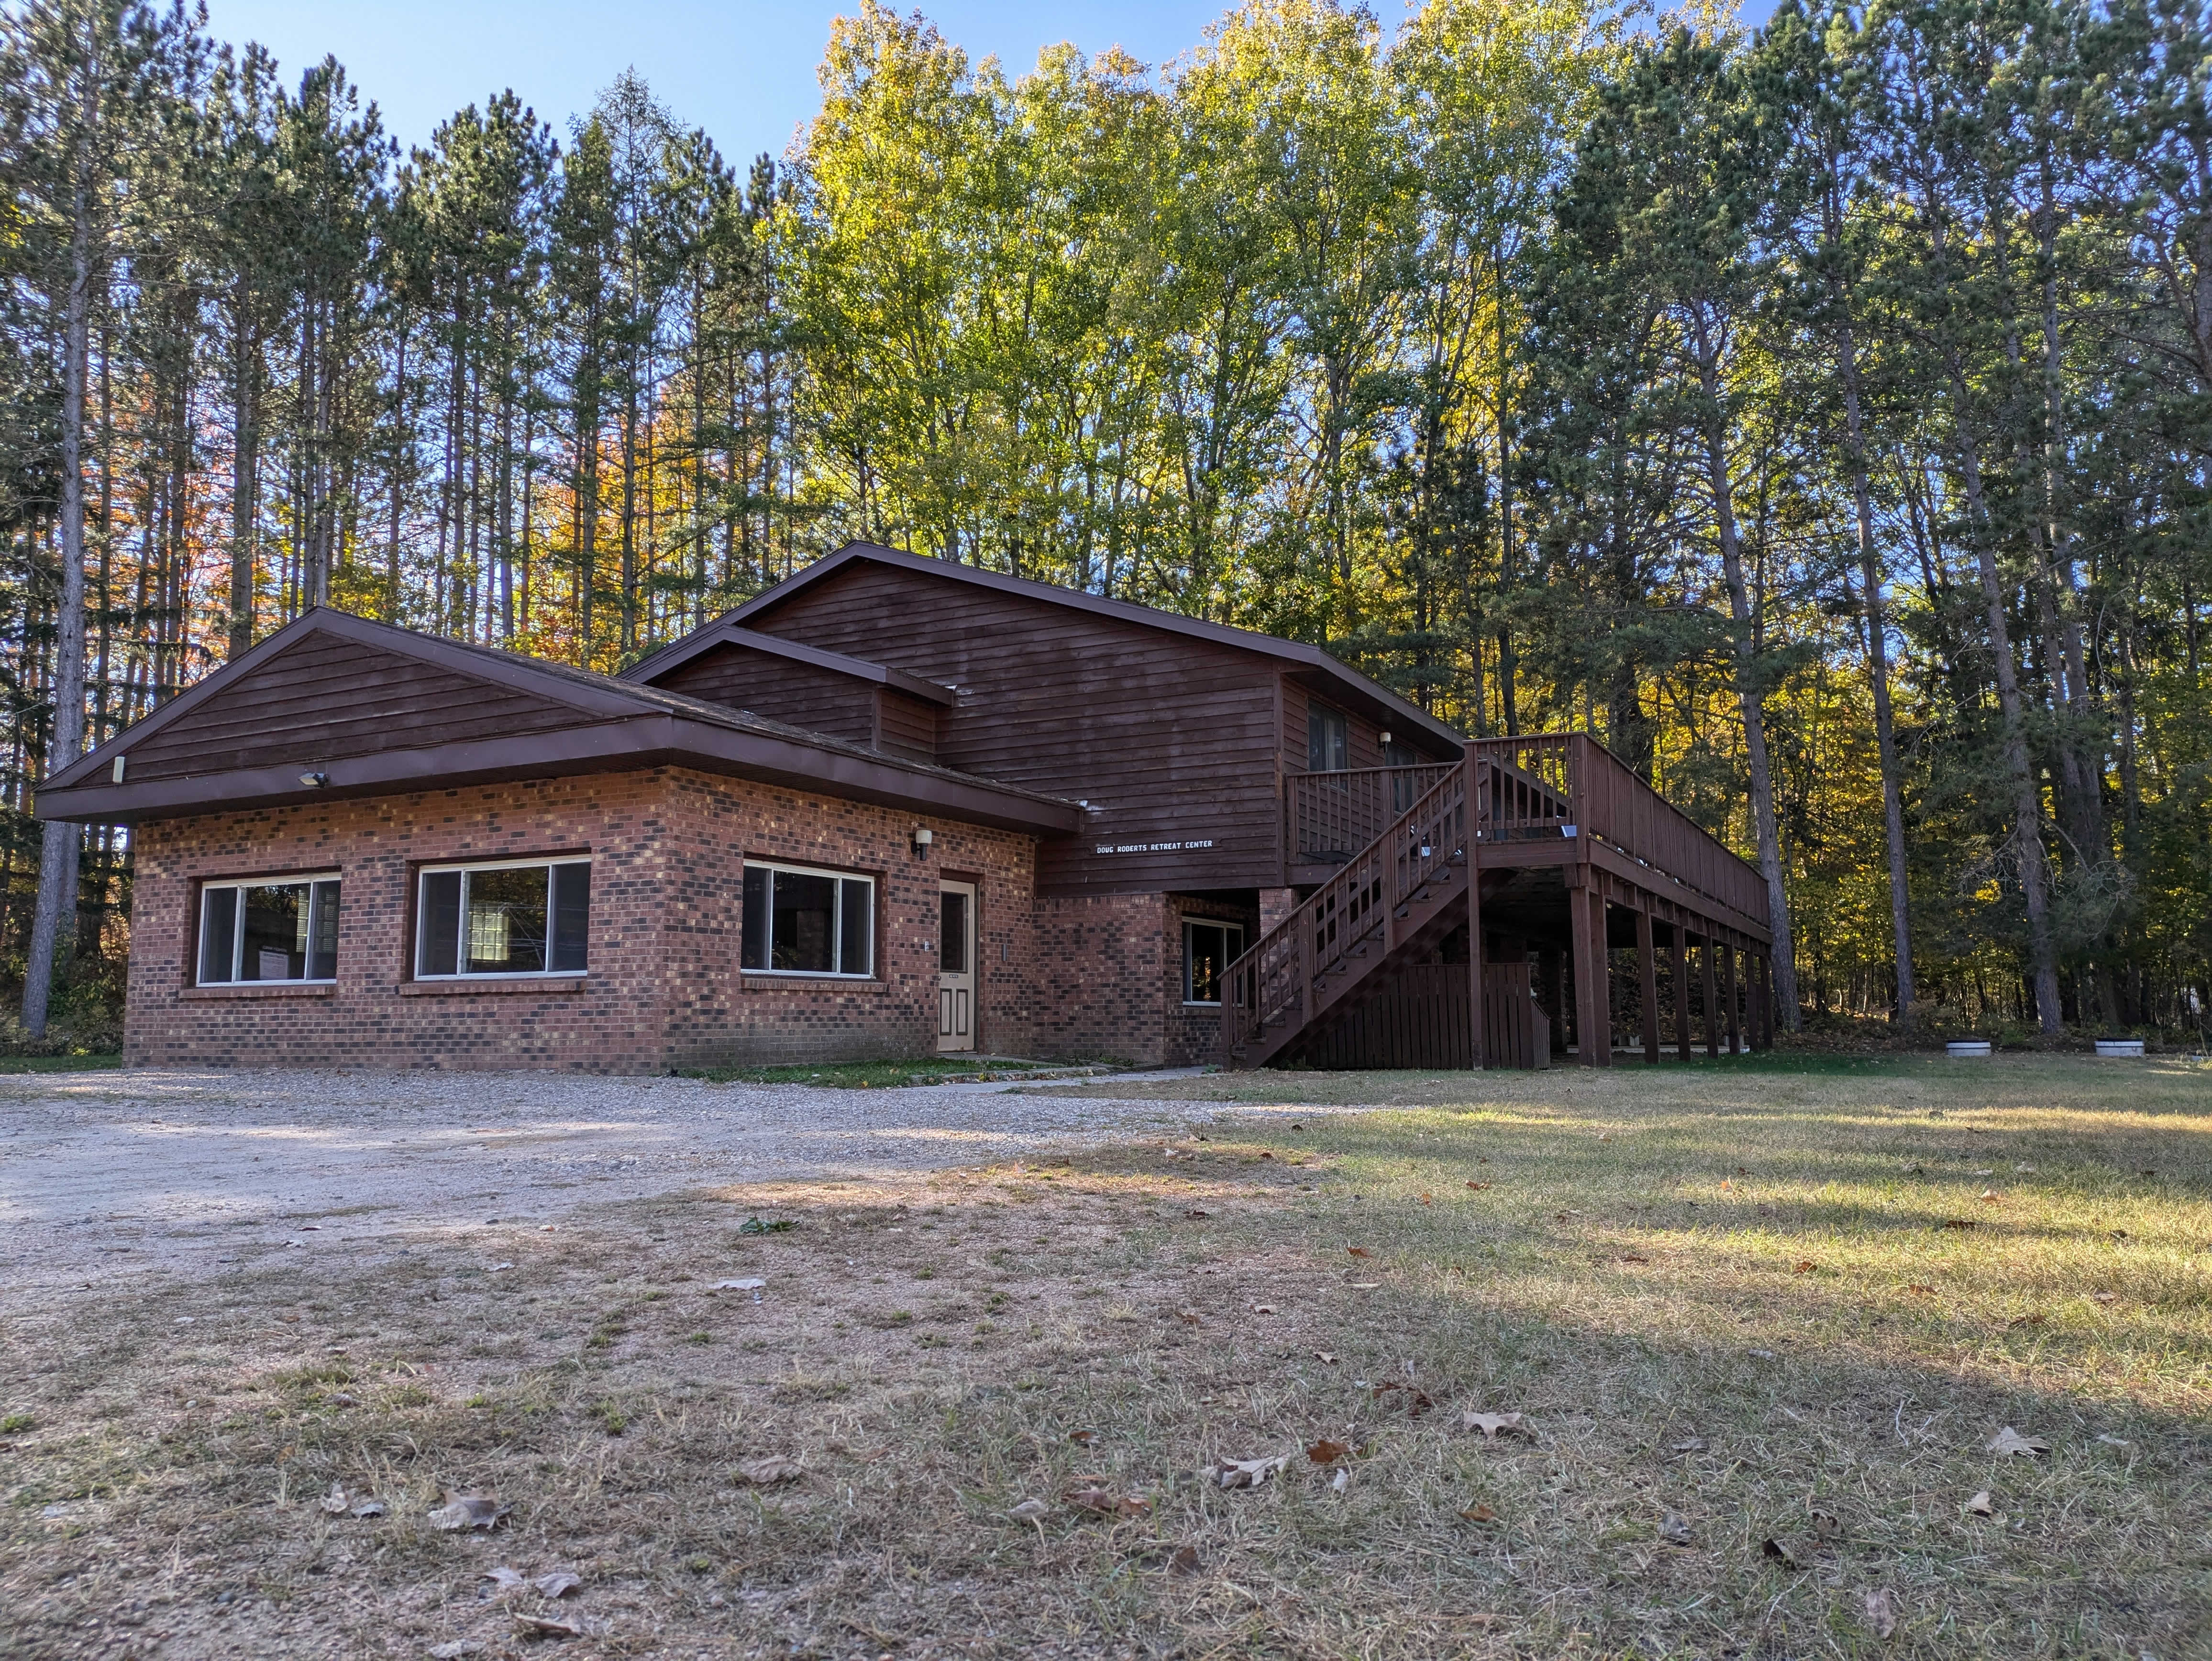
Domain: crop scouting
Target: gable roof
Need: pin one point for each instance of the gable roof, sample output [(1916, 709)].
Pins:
[(580, 721), (1313, 665), (724, 631)]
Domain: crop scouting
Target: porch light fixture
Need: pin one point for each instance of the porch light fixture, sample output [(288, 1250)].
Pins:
[(314, 780), (116, 772), (923, 836), (1386, 738)]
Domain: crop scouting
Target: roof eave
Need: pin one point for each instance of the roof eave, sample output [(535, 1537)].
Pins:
[(609, 746)]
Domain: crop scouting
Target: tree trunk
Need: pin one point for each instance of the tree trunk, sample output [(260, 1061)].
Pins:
[(58, 852), (1747, 692)]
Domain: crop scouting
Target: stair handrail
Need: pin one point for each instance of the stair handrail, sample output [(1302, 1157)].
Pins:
[(1274, 980)]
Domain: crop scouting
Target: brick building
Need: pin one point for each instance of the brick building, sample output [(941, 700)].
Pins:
[(893, 806)]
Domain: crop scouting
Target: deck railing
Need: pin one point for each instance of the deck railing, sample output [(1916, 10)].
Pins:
[(1334, 815), (1549, 785)]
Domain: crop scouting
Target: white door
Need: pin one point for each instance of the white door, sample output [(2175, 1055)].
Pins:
[(956, 967)]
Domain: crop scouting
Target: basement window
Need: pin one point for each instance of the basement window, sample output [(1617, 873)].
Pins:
[(1208, 949), (801, 922), (513, 918), (284, 929)]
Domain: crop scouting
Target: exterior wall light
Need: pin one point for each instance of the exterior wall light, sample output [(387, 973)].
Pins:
[(923, 838), (314, 780)]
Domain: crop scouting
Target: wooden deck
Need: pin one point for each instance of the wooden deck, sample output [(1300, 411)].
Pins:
[(1573, 855)]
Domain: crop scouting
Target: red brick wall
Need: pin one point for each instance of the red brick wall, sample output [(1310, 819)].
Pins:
[(665, 987)]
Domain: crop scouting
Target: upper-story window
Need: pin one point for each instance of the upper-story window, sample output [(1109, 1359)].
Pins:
[(285, 928), (1328, 739), (515, 917), (801, 922)]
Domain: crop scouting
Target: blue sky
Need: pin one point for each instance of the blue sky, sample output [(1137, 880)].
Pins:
[(743, 69)]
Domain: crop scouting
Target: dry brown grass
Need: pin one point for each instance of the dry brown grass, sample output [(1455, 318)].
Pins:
[(1732, 1255)]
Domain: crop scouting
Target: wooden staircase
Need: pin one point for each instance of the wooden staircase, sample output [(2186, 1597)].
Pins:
[(1391, 903)]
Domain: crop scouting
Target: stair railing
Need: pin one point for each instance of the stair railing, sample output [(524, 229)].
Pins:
[(1276, 980)]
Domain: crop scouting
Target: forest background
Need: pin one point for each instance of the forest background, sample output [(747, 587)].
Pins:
[(1819, 415)]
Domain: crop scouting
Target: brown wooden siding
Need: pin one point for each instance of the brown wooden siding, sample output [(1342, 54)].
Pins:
[(1364, 735), (332, 700), (820, 700), (905, 725), (1171, 740)]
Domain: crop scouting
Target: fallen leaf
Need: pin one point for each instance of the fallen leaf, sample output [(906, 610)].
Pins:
[(2010, 1441), (1691, 1444), (1326, 1452), (2034, 1319), (1919, 1290), (1417, 1400), (1426, 1199), (1324, 1356), (1960, 1222), (1340, 1482), (468, 1510), (1990, 1196), (455, 1649), (1184, 1560), (1359, 1251), (1082, 1435), (1804, 1266), (545, 1626), (1196, 1214), (2101, 1297), (766, 1473), (750, 1283), (1030, 1511), (1263, 1308), (1980, 1506), (763, 1225), (1491, 1425), (1881, 1612), (1479, 1514), (1633, 1257), (1246, 1473), (369, 1508), (339, 1398), (1780, 1552), (334, 1502), (1189, 1317), (1674, 1530), (506, 1578), (1477, 1185), (2115, 1441), (1825, 1527), (1365, 1286), (559, 1584), (1103, 1502)]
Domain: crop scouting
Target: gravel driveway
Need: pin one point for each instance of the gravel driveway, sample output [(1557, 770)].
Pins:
[(105, 1175)]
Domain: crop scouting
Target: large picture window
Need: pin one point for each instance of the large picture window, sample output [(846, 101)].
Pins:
[(1208, 949), (524, 918), (284, 929), (800, 921)]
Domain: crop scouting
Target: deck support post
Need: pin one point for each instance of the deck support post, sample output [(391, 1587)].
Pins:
[(1762, 1035), (1593, 999), (1476, 1057), (1647, 960), (1705, 968), (1728, 995), (1677, 961)]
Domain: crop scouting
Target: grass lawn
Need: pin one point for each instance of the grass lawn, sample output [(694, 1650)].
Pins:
[(1761, 1326), (92, 1063)]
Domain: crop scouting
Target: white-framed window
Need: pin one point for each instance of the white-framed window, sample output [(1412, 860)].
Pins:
[(276, 928), (508, 917), (1208, 949), (802, 921)]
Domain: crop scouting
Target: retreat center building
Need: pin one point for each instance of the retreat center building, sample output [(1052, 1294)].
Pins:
[(893, 807)]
